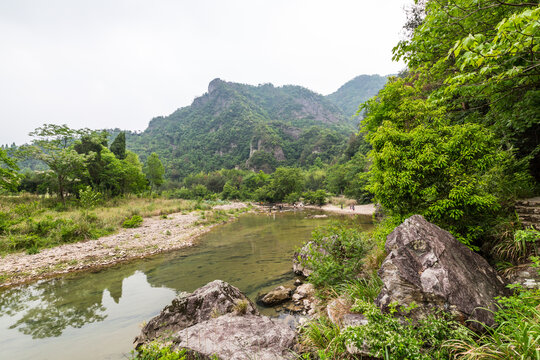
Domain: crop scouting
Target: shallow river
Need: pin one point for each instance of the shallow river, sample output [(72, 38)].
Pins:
[(97, 315)]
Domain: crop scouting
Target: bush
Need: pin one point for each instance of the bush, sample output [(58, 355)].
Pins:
[(337, 254), (133, 222), (315, 197), (387, 337), (154, 351)]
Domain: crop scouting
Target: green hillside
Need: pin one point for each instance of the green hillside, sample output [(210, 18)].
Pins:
[(355, 92), (244, 126)]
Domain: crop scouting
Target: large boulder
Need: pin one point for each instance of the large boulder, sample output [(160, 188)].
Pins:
[(238, 337), (212, 300), (427, 266)]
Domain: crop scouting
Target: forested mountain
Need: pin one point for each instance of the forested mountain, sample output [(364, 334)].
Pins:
[(254, 127), (355, 92)]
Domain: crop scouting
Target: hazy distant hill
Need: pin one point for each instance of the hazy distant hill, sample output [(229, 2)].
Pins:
[(237, 125), (356, 91)]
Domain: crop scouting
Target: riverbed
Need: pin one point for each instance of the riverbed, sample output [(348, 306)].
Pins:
[(96, 315)]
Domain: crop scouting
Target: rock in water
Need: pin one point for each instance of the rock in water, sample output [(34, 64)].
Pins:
[(276, 296), (212, 300), (429, 267), (238, 337)]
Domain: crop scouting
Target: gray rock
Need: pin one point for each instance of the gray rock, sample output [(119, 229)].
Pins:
[(353, 319), (238, 337), (212, 300), (525, 275), (276, 296), (429, 267), (305, 290)]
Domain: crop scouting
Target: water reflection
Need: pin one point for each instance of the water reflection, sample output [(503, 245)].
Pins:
[(105, 307)]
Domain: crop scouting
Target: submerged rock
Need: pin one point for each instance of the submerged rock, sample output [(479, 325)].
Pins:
[(212, 300), (276, 296), (238, 337), (428, 268)]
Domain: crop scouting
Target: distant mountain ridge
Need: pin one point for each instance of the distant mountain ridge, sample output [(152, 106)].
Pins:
[(245, 126), (356, 91)]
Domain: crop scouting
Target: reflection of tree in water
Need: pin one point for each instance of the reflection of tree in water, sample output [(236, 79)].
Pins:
[(50, 307)]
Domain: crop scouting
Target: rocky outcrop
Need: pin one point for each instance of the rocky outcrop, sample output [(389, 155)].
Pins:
[(210, 301), (276, 296), (218, 320), (428, 269), (238, 337)]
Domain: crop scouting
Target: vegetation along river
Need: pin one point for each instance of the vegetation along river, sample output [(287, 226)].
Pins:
[(96, 315)]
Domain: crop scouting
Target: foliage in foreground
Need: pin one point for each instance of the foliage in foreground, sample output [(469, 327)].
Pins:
[(154, 351), (517, 335)]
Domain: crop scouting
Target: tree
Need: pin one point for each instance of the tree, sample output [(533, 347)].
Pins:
[(154, 171), (91, 145), (9, 177), (286, 181), (118, 146), (54, 145)]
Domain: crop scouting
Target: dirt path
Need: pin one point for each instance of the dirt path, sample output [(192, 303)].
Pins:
[(156, 235)]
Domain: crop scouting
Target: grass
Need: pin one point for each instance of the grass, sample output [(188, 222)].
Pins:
[(29, 222)]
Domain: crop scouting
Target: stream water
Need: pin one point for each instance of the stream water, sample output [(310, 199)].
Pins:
[(96, 315)]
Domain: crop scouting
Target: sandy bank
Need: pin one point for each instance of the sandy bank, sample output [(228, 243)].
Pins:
[(156, 235), (367, 209)]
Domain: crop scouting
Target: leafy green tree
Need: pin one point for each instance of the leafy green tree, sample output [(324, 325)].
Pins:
[(91, 145), (134, 180), (9, 176), (286, 181), (118, 146), (479, 60), (54, 145), (154, 171)]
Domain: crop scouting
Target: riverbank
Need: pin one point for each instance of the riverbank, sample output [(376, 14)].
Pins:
[(367, 209), (156, 235)]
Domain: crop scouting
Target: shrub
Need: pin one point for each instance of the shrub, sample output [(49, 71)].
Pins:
[(133, 222), (154, 351), (337, 254), (315, 197), (387, 337)]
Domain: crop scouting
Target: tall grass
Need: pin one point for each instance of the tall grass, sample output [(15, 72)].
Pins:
[(29, 222)]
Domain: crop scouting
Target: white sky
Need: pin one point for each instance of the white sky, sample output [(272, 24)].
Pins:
[(113, 63)]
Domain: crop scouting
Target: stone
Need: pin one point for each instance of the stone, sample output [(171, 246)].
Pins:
[(428, 268), (238, 337), (212, 300), (336, 308), (525, 275), (302, 256), (305, 290), (353, 319), (277, 296)]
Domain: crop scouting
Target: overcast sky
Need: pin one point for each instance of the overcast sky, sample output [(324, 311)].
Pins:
[(113, 63)]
